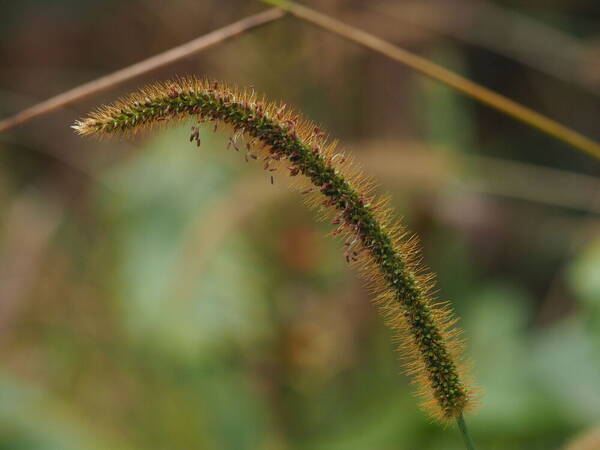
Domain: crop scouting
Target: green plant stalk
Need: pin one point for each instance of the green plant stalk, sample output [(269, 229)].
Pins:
[(471, 89), (462, 426)]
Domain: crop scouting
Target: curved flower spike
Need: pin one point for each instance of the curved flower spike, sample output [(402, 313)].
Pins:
[(384, 253)]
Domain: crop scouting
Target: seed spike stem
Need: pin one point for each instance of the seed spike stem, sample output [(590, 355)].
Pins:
[(462, 426), (140, 68), (471, 89)]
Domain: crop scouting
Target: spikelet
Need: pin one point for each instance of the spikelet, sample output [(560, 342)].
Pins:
[(385, 254)]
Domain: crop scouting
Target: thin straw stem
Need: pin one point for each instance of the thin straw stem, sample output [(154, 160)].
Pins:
[(470, 88), (155, 62)]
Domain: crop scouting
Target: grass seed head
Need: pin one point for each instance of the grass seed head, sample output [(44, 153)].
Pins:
[(384, 253)]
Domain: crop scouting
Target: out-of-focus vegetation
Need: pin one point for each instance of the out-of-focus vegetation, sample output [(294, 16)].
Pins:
[(156, 295)]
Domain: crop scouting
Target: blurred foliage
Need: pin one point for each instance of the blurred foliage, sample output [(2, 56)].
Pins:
[(155, 295)]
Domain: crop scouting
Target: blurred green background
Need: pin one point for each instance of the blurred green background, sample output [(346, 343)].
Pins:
[(158, 296)]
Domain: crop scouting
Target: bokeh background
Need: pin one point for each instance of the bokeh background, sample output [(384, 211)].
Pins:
[(158, 296)]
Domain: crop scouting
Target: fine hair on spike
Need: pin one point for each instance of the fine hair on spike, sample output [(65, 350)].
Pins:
[(385, 254)]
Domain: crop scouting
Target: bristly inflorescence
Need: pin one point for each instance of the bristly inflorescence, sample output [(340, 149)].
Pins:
[(384, 253)]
